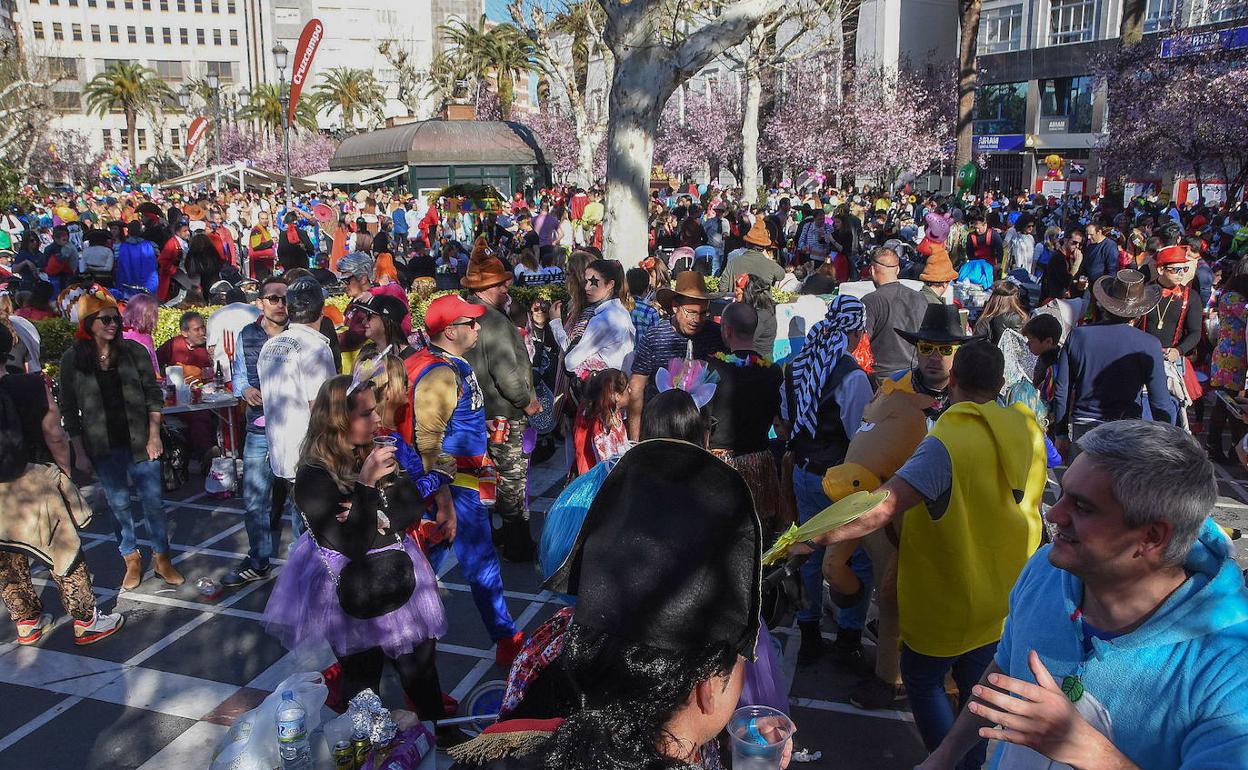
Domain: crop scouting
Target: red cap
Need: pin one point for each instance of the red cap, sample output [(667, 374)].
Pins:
[(1172, 255), (444, 311)]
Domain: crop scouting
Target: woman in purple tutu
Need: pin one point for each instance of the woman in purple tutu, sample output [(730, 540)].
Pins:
[(357, 503)]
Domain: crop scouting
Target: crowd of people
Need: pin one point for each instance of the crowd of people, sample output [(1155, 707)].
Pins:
[(760, 363)]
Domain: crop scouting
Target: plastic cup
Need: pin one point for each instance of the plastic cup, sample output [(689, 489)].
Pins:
[(385, 440), (175, 375), (759, 734)]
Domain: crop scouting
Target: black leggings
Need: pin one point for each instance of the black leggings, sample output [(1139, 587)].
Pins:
[(1218, 422), (418, 673)]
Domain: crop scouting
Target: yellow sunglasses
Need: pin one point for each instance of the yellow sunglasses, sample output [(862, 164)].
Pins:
[(931, 348)]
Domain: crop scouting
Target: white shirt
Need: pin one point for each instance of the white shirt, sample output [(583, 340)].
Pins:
[(292, 367), (609, 337), (223, 325)]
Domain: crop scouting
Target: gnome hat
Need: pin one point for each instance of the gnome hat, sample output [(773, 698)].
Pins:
[(484, 269)]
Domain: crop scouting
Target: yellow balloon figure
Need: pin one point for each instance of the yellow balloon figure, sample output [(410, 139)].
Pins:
[(893, 425), (1053, 161)]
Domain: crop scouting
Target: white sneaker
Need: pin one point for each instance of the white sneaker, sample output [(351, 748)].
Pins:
[(32, 631), (100, 627)]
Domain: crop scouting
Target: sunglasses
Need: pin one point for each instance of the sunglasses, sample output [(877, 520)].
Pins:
[(470, 322), (930, 348), (1175, 269), (275, 299), (108, 320)]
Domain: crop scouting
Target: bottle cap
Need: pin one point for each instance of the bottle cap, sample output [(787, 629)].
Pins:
[(288, 694)]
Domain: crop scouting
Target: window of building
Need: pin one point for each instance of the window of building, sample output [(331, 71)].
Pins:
[(215, 6), (1071, 21), (181, 6), (169, 70), (1066, 105), (147, 5), (110, 63), (149, 34), (113, 37), (141, 136), (73, 3), (231, 7), (107, 135), (164, 5), (58, 32), (199, 36), (199, 6), (224, 70), (110, 3), (166, 36), (91, 3), (62, 67), (233, 37), (175, 138), (132, 34), (1001, 108), (216, 37), (128, 5), (70, 101), (1001, 29), (183, 36), (76, 32), (54, 2), (1224, 11), (37, 28), (96, 37)]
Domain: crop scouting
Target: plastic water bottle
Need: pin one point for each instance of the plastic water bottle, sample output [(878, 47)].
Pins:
[(292, 734)]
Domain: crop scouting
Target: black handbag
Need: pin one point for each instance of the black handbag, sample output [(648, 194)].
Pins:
[(783, 595), (374, 584)]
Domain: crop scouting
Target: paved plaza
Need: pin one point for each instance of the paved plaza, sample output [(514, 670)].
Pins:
[(163, 691)]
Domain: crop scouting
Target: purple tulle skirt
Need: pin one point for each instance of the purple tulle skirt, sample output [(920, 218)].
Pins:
[(304, 606), (764, 681)]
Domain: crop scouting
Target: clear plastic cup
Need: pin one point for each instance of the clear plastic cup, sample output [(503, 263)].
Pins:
[(759, 734), (385, 439)]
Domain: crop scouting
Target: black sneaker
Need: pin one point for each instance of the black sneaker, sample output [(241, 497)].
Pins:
[(873, 693), (812, 642), (246, 574)]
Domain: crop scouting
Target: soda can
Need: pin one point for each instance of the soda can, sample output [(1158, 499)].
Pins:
[(344, 756), (499, 430)]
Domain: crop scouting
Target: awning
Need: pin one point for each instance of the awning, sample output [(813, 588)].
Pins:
[(239, 174), (391, 174), (357, 176)]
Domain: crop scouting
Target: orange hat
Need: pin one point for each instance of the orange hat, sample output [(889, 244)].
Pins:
[(96, 299), (1172, 255), (759, 235), (939, 268), (484, 269)]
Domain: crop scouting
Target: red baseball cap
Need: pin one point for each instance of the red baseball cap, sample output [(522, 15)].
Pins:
[(1172, 255), (444, 310)]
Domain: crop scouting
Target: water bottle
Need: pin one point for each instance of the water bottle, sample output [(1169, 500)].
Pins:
[(292, 734)]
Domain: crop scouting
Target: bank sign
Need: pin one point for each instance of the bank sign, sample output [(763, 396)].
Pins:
[(1000, 142), (1216, 40)]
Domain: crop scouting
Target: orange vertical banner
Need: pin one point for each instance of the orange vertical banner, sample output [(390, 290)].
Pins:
[(199, 127)]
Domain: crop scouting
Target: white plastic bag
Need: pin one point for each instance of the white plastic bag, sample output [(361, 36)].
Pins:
[(221, 481), (251, 743)]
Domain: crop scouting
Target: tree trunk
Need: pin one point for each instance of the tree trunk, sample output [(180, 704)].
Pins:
[(586, 143), (968, 41), (749, 128), (849, 13), (131, 133), (506, 95), (641, 86), (1131, 28)]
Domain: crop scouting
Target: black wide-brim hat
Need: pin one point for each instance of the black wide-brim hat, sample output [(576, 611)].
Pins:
[(941, 325), (670, 552)]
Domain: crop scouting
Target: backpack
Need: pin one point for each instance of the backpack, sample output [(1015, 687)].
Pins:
[(13, 452)]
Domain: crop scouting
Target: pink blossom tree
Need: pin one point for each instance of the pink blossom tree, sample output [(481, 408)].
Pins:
[(65, 155), (897, 123), (707, 136), (309, 151), (556, 131), (1186, 114), (799, 133)]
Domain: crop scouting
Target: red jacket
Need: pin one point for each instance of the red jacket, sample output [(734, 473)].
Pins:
[(166, 265)]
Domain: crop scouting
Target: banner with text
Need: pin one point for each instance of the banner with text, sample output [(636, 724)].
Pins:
[(309, 39), (199, 127)]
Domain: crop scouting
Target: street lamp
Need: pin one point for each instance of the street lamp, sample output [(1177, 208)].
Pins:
[(281, 57), (214, 81)]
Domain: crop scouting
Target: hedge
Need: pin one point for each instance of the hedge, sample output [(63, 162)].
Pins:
[(57, 334)]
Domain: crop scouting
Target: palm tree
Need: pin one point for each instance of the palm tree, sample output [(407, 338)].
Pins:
[(510, 53), (354, 92), (264, 105), (130, 88), (470, 47)]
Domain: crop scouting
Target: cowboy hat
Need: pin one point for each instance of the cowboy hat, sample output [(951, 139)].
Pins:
[(689, 284), (941, 324), (1125, 294), (194, 211)]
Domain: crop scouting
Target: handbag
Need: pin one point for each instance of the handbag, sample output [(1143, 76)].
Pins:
[(544, 421), (374, 584)]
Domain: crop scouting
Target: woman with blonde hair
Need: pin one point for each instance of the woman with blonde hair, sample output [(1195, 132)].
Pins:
[(354, 579)]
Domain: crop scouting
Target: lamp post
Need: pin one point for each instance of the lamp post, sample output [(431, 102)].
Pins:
[(184, 101), (280, 60), (214, 81)]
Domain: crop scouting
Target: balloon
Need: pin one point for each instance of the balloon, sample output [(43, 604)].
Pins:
[(967, 174), (1053, 174), (1054, 161), (701, 189)]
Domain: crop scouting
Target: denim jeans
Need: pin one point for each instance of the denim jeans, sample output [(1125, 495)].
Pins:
[(808, 490), (258, 499), (117, 471), (924, 677)]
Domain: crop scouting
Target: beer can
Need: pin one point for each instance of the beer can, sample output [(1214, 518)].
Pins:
[(344, 756), (360, 745)]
